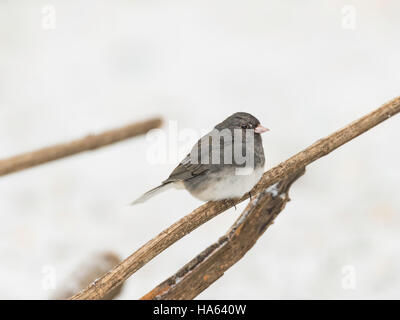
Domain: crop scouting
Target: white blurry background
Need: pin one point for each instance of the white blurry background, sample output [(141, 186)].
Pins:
[(302, 67)]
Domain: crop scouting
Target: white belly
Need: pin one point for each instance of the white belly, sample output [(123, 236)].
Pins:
[(231, 186)]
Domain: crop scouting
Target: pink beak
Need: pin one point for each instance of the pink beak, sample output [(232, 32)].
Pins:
[(260, 129)]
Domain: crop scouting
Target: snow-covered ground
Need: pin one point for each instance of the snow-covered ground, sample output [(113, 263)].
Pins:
[(305, 68)]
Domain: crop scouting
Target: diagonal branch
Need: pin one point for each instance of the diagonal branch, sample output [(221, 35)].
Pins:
[(91, 142), (210, 265), (178, 230)]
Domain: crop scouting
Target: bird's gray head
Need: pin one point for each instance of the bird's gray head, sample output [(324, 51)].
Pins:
[(242, 120)]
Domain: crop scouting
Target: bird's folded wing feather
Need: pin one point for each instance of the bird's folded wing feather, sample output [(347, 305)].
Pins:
[(192, 165), (186, 170)]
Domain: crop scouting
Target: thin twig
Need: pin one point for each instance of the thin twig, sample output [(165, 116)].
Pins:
[(210, 265), (91, 142), (178, 230)]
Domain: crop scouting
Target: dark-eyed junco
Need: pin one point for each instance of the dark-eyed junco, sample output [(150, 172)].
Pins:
[(224, 164)]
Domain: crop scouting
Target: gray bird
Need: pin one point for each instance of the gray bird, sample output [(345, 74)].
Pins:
[(224, 164)]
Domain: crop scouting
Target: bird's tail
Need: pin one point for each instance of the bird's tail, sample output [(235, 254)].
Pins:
[(151, 193)]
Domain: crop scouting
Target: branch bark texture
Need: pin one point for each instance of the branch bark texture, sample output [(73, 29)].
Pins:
[(210, 265), (91, 142)]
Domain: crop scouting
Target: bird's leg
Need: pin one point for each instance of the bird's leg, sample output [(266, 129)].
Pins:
[(250, 195), (233, 203)]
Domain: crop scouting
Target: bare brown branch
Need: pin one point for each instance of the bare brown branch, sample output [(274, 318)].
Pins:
[(210, 265), (178, 230), (91, 142)]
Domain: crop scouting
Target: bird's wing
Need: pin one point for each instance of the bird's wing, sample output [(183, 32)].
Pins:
[(195, 163), (192, 165), (186, 170)]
